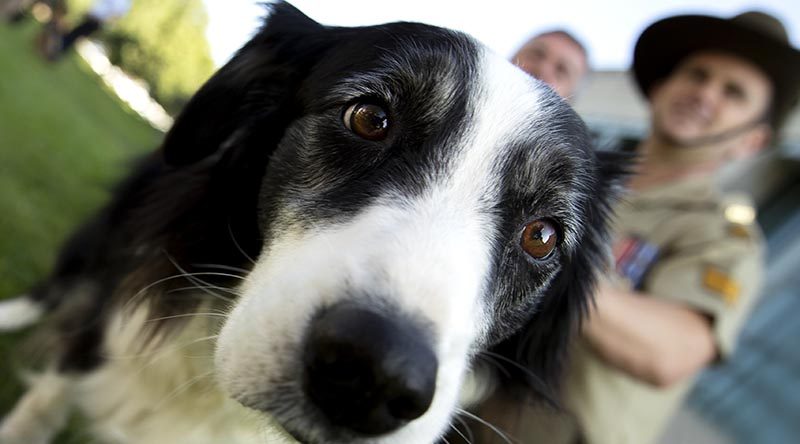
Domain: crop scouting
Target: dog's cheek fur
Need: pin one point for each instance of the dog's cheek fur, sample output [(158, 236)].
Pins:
[(539, 304), (541, 346)]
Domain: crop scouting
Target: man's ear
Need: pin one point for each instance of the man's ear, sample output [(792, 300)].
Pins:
[(259, 82)]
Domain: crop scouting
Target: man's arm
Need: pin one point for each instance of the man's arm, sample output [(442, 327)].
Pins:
[(654, 340)]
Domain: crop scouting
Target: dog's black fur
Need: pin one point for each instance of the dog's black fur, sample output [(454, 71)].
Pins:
[(197, 207)]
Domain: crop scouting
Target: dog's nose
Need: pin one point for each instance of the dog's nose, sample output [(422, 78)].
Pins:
[(368, 372)]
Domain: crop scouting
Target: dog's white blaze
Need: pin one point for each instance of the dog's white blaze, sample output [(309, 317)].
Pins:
[(428, 256)]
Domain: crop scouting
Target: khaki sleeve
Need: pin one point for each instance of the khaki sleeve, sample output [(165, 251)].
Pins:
[(722, 280)]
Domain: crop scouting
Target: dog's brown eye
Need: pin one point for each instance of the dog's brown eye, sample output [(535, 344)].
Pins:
[(539, 238), (368, 121)]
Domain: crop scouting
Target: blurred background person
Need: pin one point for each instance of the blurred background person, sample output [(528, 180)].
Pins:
[(14, 10), (688, 269), (58, 43), (50, 11), (556, 58)]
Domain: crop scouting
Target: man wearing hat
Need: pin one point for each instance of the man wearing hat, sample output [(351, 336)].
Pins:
[(688, 258)]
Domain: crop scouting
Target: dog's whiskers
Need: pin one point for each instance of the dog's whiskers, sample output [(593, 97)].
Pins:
[(503, 435), (214, 273), (161, 351), (188, 315), (468, 437), (183, 275), (209, 288), (487, 357), (244, 272), (206, 286), (141, 293), (239, 247), (526, 371), (182, 388)]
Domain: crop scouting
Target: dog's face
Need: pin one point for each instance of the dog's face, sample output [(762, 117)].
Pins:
[(421, 201)]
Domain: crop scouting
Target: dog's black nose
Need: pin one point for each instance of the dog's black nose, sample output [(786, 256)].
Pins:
[(368, 372)]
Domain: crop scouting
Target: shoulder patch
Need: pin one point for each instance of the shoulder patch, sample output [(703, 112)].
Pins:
[(739, 231), (717, 281)]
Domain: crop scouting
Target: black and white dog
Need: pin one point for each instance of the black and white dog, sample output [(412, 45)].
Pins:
[(338, 224)]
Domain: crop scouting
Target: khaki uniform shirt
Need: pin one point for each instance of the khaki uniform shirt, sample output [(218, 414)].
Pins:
[(710, 259)]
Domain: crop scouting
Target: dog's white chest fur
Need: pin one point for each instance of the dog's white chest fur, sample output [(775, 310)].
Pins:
[(143, 393), (162, 393)]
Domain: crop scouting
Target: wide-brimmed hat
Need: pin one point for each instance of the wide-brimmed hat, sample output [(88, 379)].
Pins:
[(755, 36)]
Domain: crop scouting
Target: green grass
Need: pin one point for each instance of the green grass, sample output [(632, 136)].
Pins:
[(64, 140)]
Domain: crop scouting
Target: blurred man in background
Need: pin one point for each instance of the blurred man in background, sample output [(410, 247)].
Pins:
[(101, 12), (688, 258), (557, 58), (13, 10)]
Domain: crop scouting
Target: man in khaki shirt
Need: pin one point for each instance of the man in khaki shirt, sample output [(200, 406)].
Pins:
[(688, 259)]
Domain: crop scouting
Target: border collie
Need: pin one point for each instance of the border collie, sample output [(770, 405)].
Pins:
[(338, 225)]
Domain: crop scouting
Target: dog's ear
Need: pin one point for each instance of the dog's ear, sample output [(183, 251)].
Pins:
[(614, 170), (259, 82), (541, 346)]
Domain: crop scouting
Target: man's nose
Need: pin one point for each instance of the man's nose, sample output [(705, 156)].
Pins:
[(709, 93)]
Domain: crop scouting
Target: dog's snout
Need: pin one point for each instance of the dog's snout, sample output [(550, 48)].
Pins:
[(368, 372)]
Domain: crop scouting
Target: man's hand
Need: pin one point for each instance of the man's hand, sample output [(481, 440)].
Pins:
[(654, 340)]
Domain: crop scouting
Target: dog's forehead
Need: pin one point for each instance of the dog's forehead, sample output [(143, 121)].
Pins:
[(525, 134), (397, 62), (530, 128), (510, 108)]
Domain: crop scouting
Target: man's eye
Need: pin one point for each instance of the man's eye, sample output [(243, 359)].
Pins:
[(539, 238), (734, 91), (366, 120), (539, 53), (697, 74), (562, 71)]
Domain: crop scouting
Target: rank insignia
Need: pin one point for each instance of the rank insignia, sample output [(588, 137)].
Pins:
[(719, 282), (738, 230)]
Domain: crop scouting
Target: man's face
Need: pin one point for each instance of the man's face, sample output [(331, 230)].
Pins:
[(554, 59), (709, 94)]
